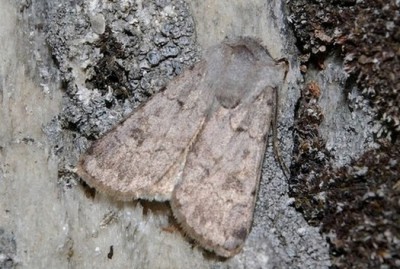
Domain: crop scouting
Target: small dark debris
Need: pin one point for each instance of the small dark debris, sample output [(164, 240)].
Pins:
[(110, 254)]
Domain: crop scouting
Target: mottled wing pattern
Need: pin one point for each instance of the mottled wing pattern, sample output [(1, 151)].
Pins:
[(221, 176), (215, 199), (141, 157)]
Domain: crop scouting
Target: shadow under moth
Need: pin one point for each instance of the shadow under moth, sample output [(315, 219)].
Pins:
[(199, 144)]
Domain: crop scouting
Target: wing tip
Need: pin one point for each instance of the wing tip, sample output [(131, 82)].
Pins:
[(99, 185), (226, 250)]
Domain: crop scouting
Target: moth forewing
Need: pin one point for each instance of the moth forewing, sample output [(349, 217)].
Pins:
[(215, 200), (140, 157)]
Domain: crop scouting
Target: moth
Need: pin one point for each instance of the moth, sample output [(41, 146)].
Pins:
[(199, 144)]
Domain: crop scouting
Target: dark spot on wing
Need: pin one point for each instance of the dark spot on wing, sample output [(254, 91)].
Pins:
[(180, 103), (137, 134), (253, 192), (245, 153), (240, 233), (240, 129)]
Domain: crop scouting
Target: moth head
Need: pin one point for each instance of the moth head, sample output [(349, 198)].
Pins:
[(240, 70)]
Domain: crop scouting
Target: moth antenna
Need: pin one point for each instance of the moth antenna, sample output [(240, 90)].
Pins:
[(277, 151)]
